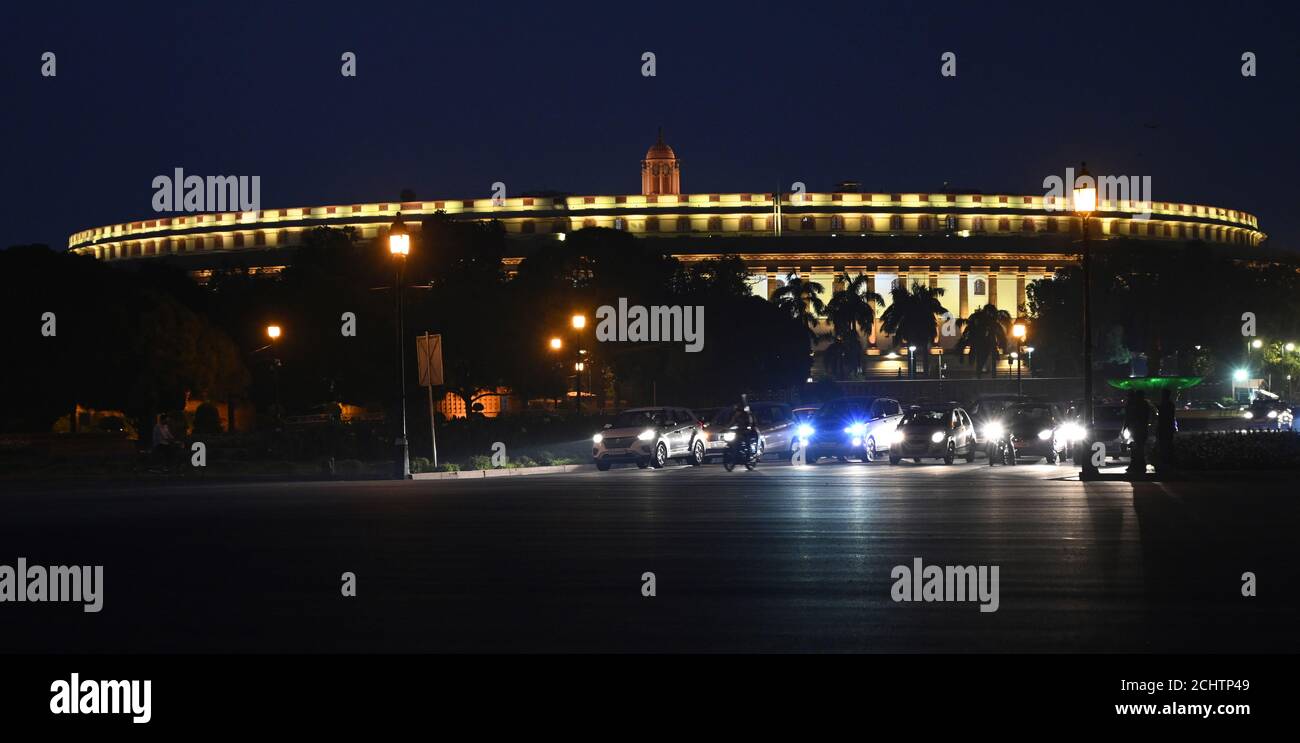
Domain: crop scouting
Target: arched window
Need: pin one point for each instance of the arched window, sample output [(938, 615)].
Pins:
[(807, 223), (1052, 225), (868, 224), (950, 223), (1027, 224), (977, 224), (620, 223), (651, 224), (837, 223), (588, 223), (683, 224), (746, 224), (925, 223), (1004, 225), (981, 288), (896, 222), (715, 224)]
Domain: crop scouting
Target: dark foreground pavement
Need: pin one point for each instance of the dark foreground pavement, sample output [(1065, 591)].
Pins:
[(780, 559)]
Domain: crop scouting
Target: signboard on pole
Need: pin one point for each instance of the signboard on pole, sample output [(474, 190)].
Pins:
[(428, 351)]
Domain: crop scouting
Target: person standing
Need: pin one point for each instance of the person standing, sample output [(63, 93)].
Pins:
[(1137, 417), (1166, 425)]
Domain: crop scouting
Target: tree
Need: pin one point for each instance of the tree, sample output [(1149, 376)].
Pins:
[(852, 315), (984, 333), (801, 299), (912, 318)]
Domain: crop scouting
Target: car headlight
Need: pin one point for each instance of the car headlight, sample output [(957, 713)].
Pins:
[(597, 439), (1045, 434), (1272, 413), (729, 436), (994, 430), (1126, 434), (857, 429), (938, 436), (1072, 432), (896, 437), (804, 431), (1247, 415), (646, 435)]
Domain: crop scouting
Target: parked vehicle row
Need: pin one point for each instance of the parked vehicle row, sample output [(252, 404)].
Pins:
[(1004, 428)]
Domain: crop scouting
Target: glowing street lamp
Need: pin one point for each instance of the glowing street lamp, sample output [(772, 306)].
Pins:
[(1257, 343), (578, 321), (273, 332), (556, 344), (399, 240), (399, 247), (1085, 203), (1240, 375), (1018, 332)]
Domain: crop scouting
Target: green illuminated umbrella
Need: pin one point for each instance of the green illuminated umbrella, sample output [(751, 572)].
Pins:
[(1154, 383)]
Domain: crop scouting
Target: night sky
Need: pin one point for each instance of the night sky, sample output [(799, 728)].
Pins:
[(451, 97)]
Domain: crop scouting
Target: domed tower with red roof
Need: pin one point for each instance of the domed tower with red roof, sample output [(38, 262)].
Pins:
[(661, 173)]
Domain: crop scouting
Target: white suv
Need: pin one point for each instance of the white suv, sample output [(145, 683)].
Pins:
[(650, 437)]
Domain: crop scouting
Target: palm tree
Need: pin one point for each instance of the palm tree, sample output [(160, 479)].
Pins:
[(801, 300), (985, 334), (912, 319), (852, 315)]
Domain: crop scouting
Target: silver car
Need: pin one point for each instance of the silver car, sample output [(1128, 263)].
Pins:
[(650, 437)]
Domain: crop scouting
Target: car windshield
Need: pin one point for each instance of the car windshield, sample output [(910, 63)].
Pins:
[(927, 417), (990, 409), (634, 418), (845, 409), (1031, 413), (723, 417)]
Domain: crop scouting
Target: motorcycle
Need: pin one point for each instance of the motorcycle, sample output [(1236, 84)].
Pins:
[(742, 448)]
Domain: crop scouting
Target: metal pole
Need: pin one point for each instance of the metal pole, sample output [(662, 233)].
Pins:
[(433, 433), (403, 468), (1087, 471)]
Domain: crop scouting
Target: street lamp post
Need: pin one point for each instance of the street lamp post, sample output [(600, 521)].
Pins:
[(1018, 330), (273, 333), (399, 246), (1085, 203), (579, 322)]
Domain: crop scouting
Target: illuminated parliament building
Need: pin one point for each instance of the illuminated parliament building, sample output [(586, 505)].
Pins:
[(979, 248)]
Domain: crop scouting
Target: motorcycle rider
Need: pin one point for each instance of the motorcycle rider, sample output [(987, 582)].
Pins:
[(743, 420)]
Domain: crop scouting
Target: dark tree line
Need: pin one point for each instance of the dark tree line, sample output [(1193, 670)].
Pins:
[(142, 337)]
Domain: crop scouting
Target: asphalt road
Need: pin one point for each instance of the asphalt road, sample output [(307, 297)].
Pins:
[(780, 559)]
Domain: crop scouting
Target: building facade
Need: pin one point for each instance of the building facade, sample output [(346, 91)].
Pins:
[(979, 248)]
